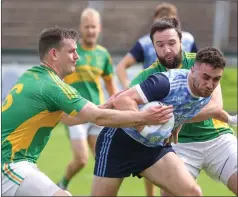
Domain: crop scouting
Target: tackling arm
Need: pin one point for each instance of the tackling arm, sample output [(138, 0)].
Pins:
[(115, 118)]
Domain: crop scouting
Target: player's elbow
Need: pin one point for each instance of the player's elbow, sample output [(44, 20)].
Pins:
[(217, 112), (120, 68)]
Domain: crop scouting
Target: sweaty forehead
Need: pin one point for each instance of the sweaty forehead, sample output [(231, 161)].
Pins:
[(168, 34)]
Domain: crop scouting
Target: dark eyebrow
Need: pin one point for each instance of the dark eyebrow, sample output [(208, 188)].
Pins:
[(162, 41), (210, 76), (206, 75)]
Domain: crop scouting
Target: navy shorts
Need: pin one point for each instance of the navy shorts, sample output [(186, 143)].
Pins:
[(118, 155)]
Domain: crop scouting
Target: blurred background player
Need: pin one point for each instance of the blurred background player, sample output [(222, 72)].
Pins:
[(94, 62), (144, 52)]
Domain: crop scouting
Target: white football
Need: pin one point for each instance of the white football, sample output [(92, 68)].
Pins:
[(155, 133)]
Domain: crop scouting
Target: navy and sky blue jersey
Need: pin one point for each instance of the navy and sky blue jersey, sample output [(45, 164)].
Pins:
[(143, 51)]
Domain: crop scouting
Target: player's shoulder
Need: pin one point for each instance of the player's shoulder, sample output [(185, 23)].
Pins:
[(35, 73), (187, 36), (145, 40), (102, 49), (176, 74)]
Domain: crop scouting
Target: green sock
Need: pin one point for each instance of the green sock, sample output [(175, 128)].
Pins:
[(65, 182)]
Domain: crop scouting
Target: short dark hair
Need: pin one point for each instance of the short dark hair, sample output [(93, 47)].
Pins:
[(211, 55), (52, 38), (165, 10), (166, 23)]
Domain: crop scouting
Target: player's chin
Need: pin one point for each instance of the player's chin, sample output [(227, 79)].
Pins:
[(73, 69), (205, 94), (92, 41)]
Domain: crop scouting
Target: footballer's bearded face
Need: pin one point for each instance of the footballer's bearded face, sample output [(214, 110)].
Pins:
[(168, 48)]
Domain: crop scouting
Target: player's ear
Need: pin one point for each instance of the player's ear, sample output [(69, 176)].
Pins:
[(100, 27), (53, 53), (194, 67)]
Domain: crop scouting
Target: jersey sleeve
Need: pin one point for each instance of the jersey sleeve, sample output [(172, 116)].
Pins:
[(63, 97), (108, 69), (144, 74), (137, 52), (194, 48), (138, 79), (155, 88)]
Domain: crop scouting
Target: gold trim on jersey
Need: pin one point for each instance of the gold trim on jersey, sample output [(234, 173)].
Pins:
[(64, 87), (190, 55), (219, 124), (73, 113), (22, 136), (92, 73), (100, 90), (107, 77), (101, 48)]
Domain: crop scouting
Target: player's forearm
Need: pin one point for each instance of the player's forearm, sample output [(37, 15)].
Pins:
[(227, 118), (218, 115), (122, 75), (69, 120), (115, 118), (111, 88), (209, 111), (109, 118), (125, 103), (222, 116)]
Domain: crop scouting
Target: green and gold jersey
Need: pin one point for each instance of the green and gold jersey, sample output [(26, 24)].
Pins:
[(90, 67), (32, 109), (190, 132)]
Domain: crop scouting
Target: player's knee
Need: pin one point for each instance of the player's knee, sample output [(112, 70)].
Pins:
[(81, 161), (194, 190), (61, 192), (232, 183), (164, 193), (67, 193)]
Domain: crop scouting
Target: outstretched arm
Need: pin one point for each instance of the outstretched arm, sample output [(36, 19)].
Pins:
[(115, 118)]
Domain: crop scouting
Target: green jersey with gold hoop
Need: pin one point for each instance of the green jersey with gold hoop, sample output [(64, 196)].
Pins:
[(190, 132), (31, 110), (90, 67)]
